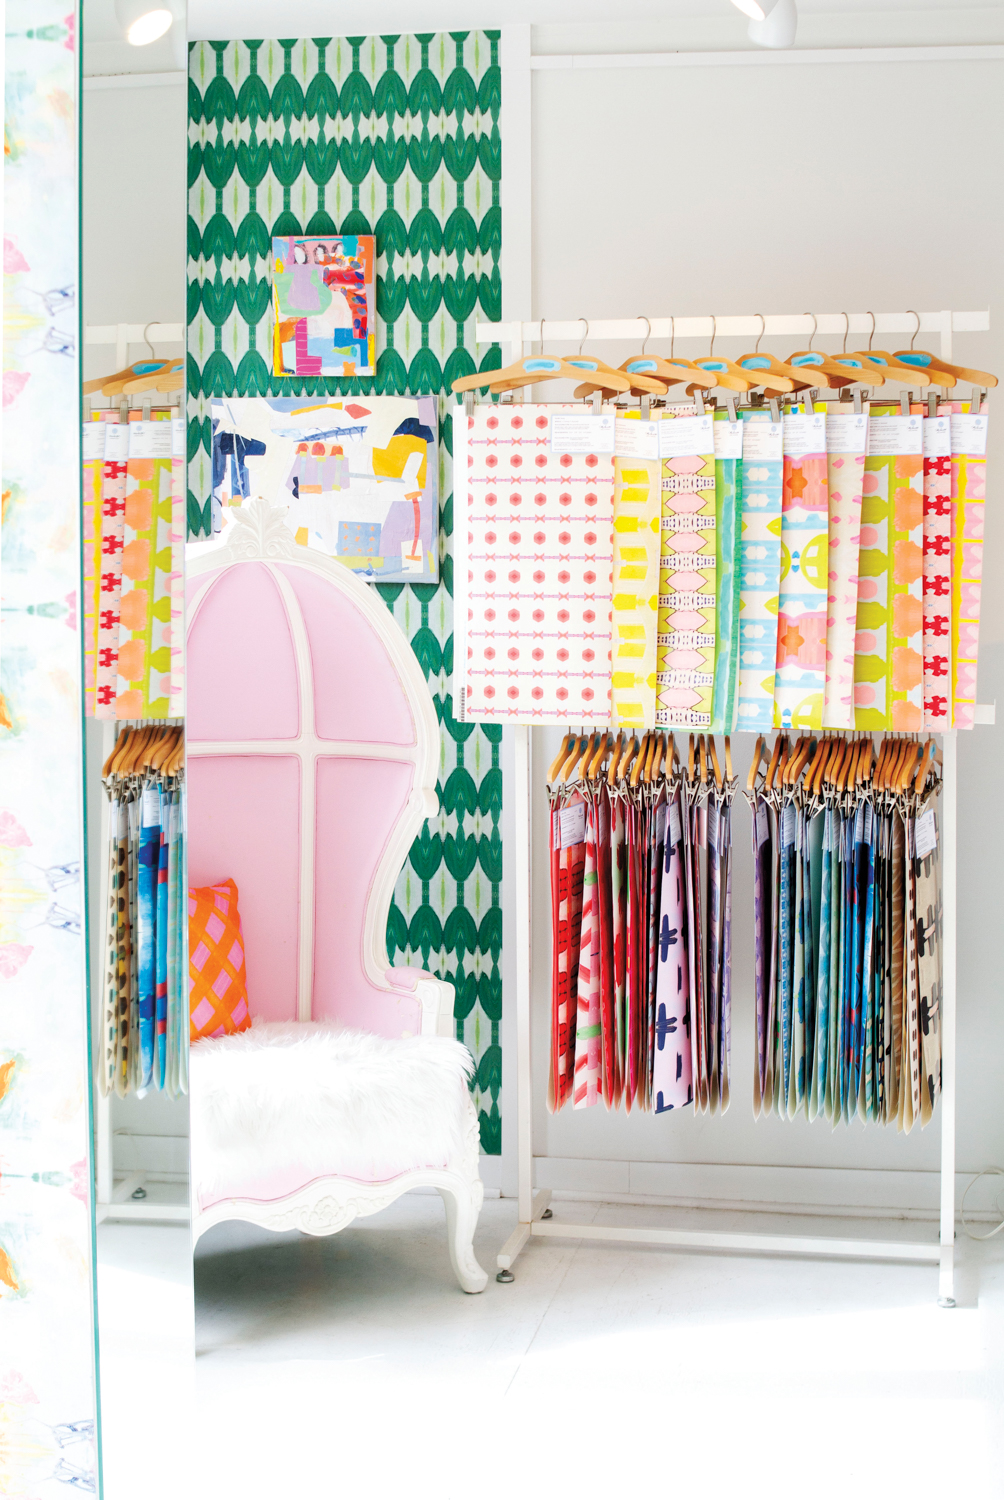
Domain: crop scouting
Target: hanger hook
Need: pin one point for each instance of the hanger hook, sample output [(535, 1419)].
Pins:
[(763, 328), (714, 334), (872, 334), (586, 334), (917, 329), (146, 341), (542, 322), (672, 335), (847, 329), (648, 335), (815, 325)]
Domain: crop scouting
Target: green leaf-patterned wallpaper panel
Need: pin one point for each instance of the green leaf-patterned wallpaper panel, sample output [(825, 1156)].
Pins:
[(397, 136)]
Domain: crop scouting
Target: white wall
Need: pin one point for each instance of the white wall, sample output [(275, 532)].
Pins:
[(784, 189)]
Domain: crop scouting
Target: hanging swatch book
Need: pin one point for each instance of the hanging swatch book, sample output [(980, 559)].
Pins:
[(534, 563)]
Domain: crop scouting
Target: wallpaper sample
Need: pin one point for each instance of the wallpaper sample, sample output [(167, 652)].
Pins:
[(800, 681), (538, 525), (759, 570), (395, 136), (637, 531), (48, 1440), (685, 680)]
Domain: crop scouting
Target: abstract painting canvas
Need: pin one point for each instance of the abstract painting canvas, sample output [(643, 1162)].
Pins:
[(359, 476), (324, 300)]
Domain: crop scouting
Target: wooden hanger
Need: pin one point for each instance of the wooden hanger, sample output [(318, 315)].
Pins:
[(890, 367), (526, 371), (937, 369), (702, 750), (832, 373), (581, 752), (715, 767), (925, 761), (567, 745), (604, 378), (729, 375), (772, 374), (755, 763), (116, 750), (639, 765), (113, 385), (605, 741), (654, 758), (630, 751), (172, 371), (728, 758), (774, 761), (615, 758)]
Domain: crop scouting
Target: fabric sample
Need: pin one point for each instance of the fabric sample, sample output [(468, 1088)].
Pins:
[(144, 658), (217, 972), (760, 575), (113, 492), (176, 578), (937, 576), (969, 476), (728, 512), (687, 572), (845, 479), (800, 681), (539, 564), (637, 534), (906, 617), (587, 1018), (93, 467)]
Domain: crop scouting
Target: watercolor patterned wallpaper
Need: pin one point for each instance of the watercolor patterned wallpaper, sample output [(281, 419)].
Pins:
[(48, 1441)]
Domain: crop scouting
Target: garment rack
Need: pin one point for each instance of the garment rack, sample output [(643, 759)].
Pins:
[(115, 1200), (535, 1214)]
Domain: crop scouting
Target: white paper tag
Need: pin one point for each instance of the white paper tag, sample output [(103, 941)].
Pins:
[(573, 824), (712, 826), (582, 432), (762, 826), (926, 834), (675, 825), (969, 434), (895, 437), (788, 826), (687, 437), (159, 439), (151, 806), (177, 437), (804, 435), (138, 440), (763, 441), (846, 432), (660, 823), (117, 436), (728, 439), (94, 441), (937, 437), (636, 439)]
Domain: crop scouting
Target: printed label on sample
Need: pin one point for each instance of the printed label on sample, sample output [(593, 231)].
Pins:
[(578, 432), (573, 824), (763, 441), (894, 437), (804, 435), (728, 439), (687, 437), (94, 440), (846, 432), (937, 437), (636, 439), (926, 834), (969, 434)]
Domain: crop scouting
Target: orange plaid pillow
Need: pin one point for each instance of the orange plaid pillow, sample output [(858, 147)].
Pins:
[(217, 975)]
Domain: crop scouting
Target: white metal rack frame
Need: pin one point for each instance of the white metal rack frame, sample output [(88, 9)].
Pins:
[(535, 1214), (115, 1200)]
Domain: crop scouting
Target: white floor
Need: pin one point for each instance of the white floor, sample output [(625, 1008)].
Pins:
[(355, 1365)]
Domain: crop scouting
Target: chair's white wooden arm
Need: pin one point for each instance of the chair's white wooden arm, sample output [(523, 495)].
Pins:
[(434, 995)]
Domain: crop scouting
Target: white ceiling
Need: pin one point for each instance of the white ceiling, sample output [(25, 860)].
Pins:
[(558, 24)]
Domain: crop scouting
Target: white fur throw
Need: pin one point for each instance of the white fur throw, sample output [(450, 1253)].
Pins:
[(284, 1103)]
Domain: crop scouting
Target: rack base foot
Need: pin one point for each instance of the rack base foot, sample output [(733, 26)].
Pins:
[(505, 1276), (946, 1301)]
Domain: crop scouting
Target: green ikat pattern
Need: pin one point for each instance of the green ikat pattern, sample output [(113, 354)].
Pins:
[(397, 136)]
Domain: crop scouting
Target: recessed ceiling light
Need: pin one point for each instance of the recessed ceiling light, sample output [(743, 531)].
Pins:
[(142, 20), (754, 9), (778, 26)]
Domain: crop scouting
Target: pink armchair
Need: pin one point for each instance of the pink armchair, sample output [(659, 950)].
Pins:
[(312, 748)]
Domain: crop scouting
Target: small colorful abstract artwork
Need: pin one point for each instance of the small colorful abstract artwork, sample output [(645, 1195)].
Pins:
[(358, 476), (324, 300)]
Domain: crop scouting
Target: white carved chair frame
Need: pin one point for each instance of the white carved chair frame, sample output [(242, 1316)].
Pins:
[(257, 532)]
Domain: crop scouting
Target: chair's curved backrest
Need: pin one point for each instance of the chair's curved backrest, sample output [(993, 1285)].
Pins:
[(312, 748)]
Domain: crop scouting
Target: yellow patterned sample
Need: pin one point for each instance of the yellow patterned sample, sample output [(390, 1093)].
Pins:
[(637, 517)]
